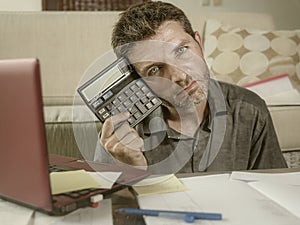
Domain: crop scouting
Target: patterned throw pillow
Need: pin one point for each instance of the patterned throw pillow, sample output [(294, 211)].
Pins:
[(242, 56)]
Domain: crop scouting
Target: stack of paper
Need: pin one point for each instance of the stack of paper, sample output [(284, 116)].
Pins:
[(13, 214), (241, 200), (277, 90)]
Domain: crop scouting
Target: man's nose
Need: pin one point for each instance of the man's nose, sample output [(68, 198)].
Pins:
[(176, 75)]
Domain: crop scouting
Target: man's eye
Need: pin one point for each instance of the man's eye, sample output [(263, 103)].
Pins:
[(153, 70), (181, 50)]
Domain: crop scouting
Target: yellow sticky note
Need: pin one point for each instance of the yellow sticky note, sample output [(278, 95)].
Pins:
[(66, 181), (165, 184)]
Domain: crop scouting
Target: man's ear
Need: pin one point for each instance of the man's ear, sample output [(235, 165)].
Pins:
[(198, 38)]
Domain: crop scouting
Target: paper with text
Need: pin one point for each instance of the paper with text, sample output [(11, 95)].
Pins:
[(236, 200)]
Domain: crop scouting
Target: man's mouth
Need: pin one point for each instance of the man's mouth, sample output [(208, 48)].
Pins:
[(187, 92), (191, 88)]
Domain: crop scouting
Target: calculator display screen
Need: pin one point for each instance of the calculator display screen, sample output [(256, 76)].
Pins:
[(102, 83)]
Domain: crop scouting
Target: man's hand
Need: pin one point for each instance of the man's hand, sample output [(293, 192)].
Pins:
[(122, 141)]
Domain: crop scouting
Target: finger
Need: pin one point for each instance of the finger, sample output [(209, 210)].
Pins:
[(123, 130), (119, 118), (133, 141), (125, 154), (108, 142), (129, 136), (110, 123)]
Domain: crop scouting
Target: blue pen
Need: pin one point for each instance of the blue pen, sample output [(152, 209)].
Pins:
[(188, 217)]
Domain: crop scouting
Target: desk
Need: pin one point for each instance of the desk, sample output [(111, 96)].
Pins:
[(126, 198), (123, 198)]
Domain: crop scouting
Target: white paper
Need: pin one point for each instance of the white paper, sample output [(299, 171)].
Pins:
[(288, 196), (272, 87), (84, 216), (281, 178), (291, 97), (105, 179), (13, 214), (239, 203)]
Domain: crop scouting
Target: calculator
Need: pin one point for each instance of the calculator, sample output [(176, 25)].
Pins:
[(118, 88)]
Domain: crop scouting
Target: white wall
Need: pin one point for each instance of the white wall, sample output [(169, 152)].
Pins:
[(286, 13), (20, 5)]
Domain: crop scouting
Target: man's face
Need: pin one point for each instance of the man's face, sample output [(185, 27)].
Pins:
[(173, 55)]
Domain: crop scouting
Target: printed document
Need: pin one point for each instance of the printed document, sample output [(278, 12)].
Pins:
[(237, 201)]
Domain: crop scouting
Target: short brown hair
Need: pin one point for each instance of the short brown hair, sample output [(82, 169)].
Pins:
[(141, 21)]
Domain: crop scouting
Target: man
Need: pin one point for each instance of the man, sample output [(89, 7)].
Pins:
[(203, 125)]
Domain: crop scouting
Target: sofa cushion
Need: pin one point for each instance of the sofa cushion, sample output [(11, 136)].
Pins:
[(71, 130), (242, 55)]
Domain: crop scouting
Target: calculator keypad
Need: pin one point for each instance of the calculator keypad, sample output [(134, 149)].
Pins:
[(136, 98)]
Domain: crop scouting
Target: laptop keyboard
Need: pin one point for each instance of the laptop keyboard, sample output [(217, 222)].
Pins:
[(77, 194), (54, 168)]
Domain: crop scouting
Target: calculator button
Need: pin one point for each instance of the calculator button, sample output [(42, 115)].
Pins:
[(137, 115), (133, 98), (149, 95), (105, 115), (149, 105), (141, 107), (127, 103), (144, 99), (116, 102), (131, 120), (132, 109), (121, 108), (115, 112), (109, 107), (128, 92), (139, 94), (107, 95), (122, 97), (154, 101), (97, 103), (102, 111), (145, 89), (134, 88), (139, 83)]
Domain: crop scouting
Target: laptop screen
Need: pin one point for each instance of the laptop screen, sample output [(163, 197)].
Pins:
[(24, 174)]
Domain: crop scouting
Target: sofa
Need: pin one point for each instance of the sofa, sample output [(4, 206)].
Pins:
[(67, 43)]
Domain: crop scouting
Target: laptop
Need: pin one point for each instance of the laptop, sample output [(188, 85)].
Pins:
[(24, 159)]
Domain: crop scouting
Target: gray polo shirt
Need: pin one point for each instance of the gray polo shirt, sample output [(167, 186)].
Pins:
[(237, 134)]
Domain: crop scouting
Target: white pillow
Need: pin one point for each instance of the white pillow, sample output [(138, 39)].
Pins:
[(242, 56)]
